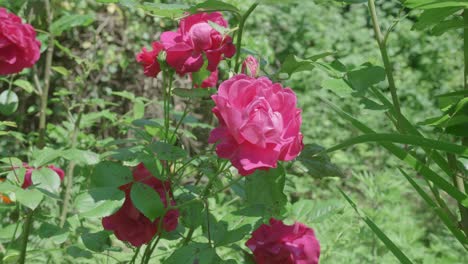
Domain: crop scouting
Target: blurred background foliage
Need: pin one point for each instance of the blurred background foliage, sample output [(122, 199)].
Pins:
[(95, 63)]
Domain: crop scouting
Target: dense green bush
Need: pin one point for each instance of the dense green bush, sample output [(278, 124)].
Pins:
[(96, 80)]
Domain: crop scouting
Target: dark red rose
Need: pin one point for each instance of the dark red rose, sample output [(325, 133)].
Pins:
[(278, 243), (19, 47), (149, 59), (131, 225)]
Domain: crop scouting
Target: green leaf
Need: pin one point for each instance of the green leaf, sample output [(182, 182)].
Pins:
[(314, 211), (99, 202), (138, 109), (339, 86), (439, 211), (430, 4), (46, 179), (164, 10), (146, 122), (293, 64), (365, 76), (62, 70), (194, 93), (272, 183), (222, 236), (403, 139), (25, 85), (8, 102), (432, 17), (147, 200), (194, 253), (52, 233), (318, 165), (213, 5), (69, 21), (352, 1), (378, 232), (97, 242), (192, 215), (111, 174), (30, 198), (7, 232), (41, 157), (77, 252), (409, 159), (165, 151), (436, 156), (201, 75), (82, 157), (444, 26)]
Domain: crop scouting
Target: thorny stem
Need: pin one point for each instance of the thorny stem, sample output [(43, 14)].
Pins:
[(239, 35), (47, 71), (24, 242), (71, 167), (386, 61), (458, 178)]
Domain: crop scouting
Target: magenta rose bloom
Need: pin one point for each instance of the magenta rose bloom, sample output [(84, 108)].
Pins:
[(195, 38), (149, 59), (259, 123), (29, 170), (131, 225), (278, 243), (209, 82), (250, 66), (19, 47)]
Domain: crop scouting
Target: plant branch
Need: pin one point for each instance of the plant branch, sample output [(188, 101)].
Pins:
[(70, 169), (239, 35), (47, 71), (24, 243), (379, 37)]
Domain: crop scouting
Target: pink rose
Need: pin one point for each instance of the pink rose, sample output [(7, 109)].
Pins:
[(149, 59), (19, 47), (250, 66), (29, 170), (131, 225), (259, 123), (194, 39), (278, 243), (209, 82)]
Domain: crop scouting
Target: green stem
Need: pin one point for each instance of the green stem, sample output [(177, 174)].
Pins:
[(135, 255), (26, 231), (167, 104), (70, 169), (458, 182), (47, 71), (180, 122), (239, 35), (386, 61), (189, 236)]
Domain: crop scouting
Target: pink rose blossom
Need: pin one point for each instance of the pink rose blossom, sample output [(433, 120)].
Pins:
[(194, 39), (149, 59), (250, 66), (29, 170), (259, 123), (19, 47), (209, 82), (131, 225), (278, 243)]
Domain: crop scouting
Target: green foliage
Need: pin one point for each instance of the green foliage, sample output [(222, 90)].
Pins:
[(104, 117), (147, 200)]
